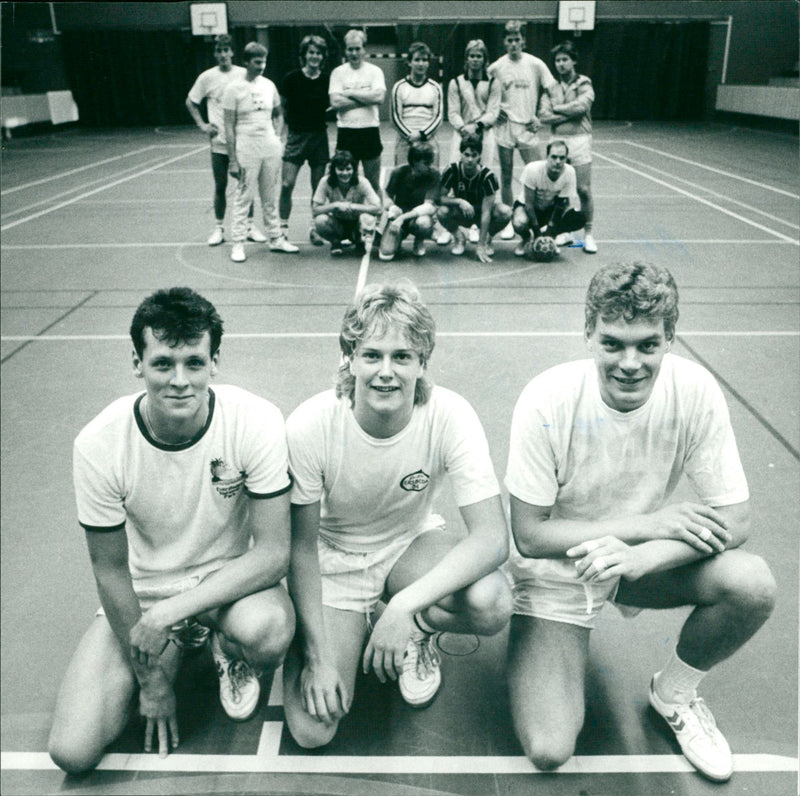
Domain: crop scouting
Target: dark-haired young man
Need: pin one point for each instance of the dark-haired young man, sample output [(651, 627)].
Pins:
[(182, 491), (597, 448)]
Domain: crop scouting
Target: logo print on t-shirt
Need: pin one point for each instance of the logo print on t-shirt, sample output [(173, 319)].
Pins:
[(415, 482), (226, 480)]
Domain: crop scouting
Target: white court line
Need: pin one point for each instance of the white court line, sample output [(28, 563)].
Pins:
[(97, 190), (47, 200), (74, 171), (63, 338), (401, 764), (701, 200), (204, 245), (713, 193), (716, 171)]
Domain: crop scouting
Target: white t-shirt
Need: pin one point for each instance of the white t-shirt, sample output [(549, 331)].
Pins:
[(183, 507), (571, 451), (521, 82), (344, 79), (376, 490), (253, 101), (210, 85), (535, 177)]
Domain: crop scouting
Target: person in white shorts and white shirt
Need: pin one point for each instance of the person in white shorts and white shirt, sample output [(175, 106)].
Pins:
[(183, 494), (368, 461), (597, 448), (522, 79), (567, 108)]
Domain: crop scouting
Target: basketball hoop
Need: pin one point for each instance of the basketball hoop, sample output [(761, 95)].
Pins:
[(576, 15), (209, 19)]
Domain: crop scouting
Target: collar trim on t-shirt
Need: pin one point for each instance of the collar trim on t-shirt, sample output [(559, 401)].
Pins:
[(212, 399)]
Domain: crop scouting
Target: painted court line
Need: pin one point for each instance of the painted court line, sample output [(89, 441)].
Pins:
[(346, 764), (74, 171), (55, 338), (700, 199), (746, 206), (716, 171), (97, 190), (204, 245)]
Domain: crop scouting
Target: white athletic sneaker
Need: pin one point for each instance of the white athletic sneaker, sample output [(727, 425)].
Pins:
[(256, 235), (589, 244), (520, 250), (564, 239), (419, 247), (701, 741), (281, 244), (216, 237), (421, 676), (442, 236), (507, 232), (239, 688), (474, 234), (458, 248), (237, 253)]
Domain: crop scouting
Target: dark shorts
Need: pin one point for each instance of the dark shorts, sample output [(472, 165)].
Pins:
[(364, 143), (302, 146)]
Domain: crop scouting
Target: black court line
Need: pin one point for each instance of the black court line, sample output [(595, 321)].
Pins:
[(49, 326), (742, 400)]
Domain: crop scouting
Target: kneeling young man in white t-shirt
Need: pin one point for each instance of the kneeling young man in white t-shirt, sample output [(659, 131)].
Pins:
[(597, 448), (368, 461), (183, 493)]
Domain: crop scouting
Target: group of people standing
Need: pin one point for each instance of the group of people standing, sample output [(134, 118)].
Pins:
[(316, 543), (493, 108)]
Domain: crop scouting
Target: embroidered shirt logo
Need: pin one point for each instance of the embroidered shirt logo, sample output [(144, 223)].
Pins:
[(226, 480), (415, 482)]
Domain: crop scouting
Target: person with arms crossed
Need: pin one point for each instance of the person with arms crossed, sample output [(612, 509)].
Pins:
[(521, 78), (253, 124), (411, 201), (210, 86), (345, 206), (305, 100), (356, 90), (567, 108), (597, 448), (469, 195), (549, 200), (183, 494), (369, 460)]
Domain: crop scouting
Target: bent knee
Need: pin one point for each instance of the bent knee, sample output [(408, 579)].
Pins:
[(71, 756), (489, 604), (311, 734), (748, 580), (547, 753)]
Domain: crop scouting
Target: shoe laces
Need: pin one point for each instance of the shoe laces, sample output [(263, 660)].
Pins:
[(239, 675), (422, 657)]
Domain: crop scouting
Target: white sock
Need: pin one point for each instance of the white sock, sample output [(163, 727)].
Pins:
[(422, 624), (677, 681)]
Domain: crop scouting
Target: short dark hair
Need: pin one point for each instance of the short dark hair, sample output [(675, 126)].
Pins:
[(566, 47), (420, 152), (222, 41), (557, 142), (177, 316), (471, 141), (630, 291), (340, 159)]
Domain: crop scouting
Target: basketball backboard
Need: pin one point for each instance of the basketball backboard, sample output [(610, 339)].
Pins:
[(209, 19), (576, 15)]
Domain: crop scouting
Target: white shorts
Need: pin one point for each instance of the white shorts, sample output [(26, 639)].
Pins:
[(579, 146), (515, 135), (549, 589), (357, 581)]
